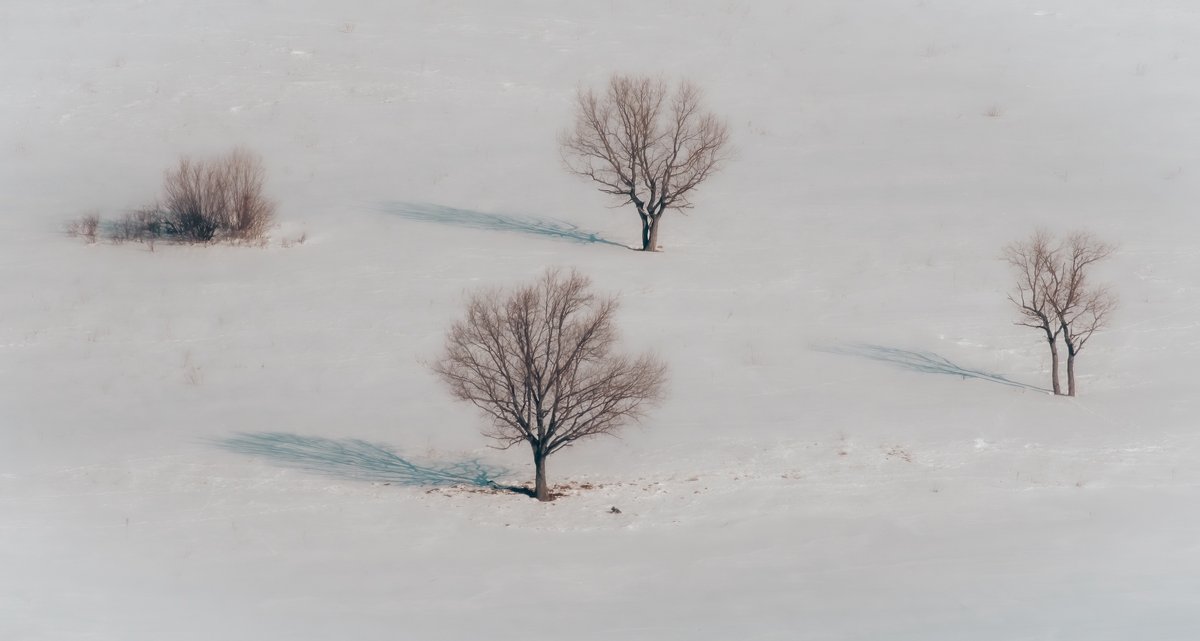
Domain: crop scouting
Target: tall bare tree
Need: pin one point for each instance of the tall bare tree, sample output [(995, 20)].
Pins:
[(645, 145), (1055, 296), (1080, 307), (539, 363), (1035, 261)]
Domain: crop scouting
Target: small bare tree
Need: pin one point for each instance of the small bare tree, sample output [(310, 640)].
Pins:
[(1080, 307), (539, 363), (1055, 296), (1035, 262), (644, 146)]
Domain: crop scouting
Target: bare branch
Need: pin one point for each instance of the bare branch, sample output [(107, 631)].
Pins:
[(1079, 307)]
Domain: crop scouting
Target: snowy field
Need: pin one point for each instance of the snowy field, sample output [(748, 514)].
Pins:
[(811, 476)]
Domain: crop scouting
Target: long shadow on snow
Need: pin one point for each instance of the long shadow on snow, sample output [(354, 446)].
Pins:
[(548, 227), (360, 461), (924, 362)]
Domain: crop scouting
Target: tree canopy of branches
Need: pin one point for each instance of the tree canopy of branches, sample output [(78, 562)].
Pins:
[(1055, 296), (645, 145), (539, 363)]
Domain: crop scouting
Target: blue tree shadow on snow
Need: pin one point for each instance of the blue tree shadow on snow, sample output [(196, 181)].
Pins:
[(547, 227), (360, 461), (924, 362)]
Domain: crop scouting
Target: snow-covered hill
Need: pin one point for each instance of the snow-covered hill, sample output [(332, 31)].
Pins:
[(809, 477)]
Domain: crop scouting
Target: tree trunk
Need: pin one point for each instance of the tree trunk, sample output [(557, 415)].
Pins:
[(541, 490), (647, 227), (1070, 372), (653, 240), (1054, 367)]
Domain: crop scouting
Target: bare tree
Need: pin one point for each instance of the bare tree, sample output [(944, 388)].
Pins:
[(1035, 262), (644, 146), (1080, 307), (539, 363), (1055, 296)]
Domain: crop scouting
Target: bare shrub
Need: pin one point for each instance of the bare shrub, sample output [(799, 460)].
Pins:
[(539, 363), (193, 200), (142, 225), (1054, 293), (86, 227), (645, 146), (299, 240), (205, 200), (210, 199), (248, 213)]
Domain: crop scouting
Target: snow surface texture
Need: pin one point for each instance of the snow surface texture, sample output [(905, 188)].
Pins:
[(243, 443)]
